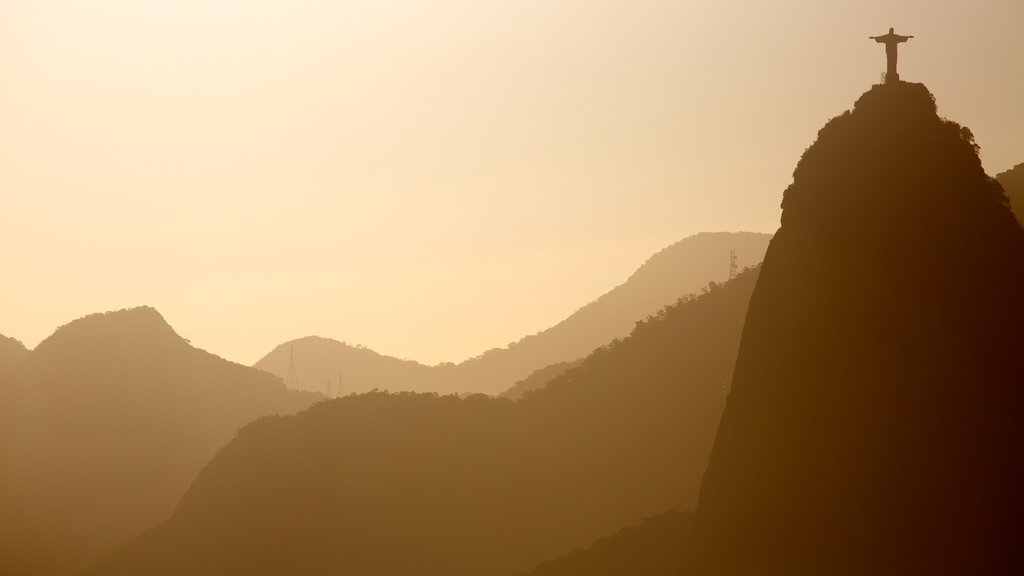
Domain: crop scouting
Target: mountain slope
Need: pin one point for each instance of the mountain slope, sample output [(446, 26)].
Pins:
[(11, 352), (679, 269), (359, 369), (538, 379), (876, 408), (648, 549), (1013, 183), (420, 484), (102, 428)]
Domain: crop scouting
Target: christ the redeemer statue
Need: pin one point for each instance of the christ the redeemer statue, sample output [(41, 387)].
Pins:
[(892, 42)]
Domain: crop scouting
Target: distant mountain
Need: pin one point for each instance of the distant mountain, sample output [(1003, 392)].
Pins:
[(1013, 183), (651, 548), (103, 427), (876, 412), (539, 379), (11, 352), (417, 484), (680, 269), (318, 360)]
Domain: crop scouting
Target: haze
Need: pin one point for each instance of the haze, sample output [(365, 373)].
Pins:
[(429, 179)]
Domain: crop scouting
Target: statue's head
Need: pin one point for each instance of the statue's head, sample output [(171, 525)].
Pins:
[(892, 30)]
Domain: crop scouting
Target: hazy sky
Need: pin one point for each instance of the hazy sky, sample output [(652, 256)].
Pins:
[(429, 178)]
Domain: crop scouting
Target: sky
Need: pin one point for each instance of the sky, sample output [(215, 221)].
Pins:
[(428, 178)]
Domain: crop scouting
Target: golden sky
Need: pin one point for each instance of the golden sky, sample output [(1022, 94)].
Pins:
[(429, 178)]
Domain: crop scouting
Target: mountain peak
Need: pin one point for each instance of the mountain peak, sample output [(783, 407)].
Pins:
[(907, 98), (131, 330), (890, 165)]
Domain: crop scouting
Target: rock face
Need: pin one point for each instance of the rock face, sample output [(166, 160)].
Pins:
[(875, 416)]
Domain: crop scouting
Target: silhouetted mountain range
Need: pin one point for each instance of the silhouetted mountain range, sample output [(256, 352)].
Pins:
[(676, 271), (102, 428), (418, 484), (876, 412), (1013, 183)]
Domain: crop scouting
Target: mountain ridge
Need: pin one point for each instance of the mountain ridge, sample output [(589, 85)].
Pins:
[(674, 271)]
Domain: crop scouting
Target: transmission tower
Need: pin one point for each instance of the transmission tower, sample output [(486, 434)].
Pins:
[(733, 269)]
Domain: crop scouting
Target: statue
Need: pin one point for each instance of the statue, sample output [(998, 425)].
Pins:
[(892, 42)]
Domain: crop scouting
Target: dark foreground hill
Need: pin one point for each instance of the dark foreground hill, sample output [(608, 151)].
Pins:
[(680, 269), (876, 412), (1013, 183), (417, 484), (102, 428)]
